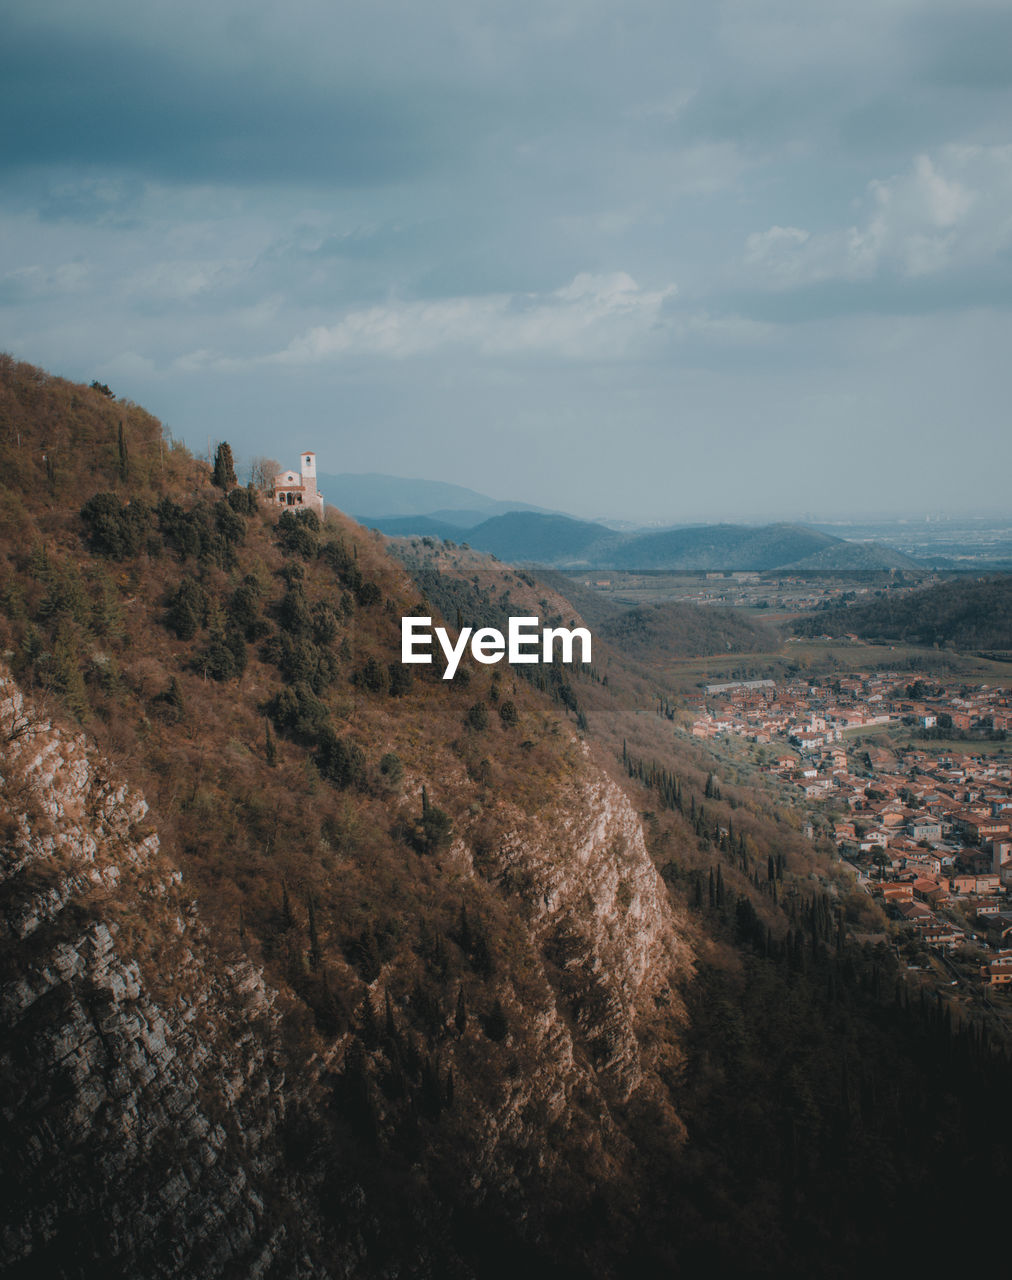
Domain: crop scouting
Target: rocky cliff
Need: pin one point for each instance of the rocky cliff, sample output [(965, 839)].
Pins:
[(143, 1092), (148, 1101)]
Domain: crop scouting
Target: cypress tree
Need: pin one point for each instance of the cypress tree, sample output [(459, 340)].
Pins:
[(223, 475), (314, 939), (460, 1016), (124, 462)]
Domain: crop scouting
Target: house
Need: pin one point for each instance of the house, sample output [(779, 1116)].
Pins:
[(298, 489), (925, 829), (999, 971)]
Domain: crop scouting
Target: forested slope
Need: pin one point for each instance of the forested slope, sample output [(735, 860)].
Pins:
[(967, 613)]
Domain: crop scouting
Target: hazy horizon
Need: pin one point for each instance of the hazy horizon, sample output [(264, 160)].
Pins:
[(486, 490), (646, 261)]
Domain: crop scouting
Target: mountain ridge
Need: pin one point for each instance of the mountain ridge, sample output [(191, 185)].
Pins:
[(559, 541)]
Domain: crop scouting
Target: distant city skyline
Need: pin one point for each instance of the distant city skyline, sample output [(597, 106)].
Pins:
[(649, 261)]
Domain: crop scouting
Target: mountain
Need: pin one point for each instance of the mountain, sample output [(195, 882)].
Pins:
[(372, 496), (856, 556), (314, 964), (561, 541), (717, 547)]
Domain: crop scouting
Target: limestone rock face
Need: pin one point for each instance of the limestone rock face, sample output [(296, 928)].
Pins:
[(147, 1103), (141, 1089), (606, 947)]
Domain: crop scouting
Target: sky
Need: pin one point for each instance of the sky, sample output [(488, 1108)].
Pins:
[(650, 260)]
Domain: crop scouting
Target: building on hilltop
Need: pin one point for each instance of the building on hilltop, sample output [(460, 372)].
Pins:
[(298, 488)]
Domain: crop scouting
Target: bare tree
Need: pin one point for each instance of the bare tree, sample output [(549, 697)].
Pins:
[(262, 473)]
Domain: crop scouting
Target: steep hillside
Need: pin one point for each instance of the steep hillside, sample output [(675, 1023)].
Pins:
[(455, 905), (315, 964), (142, 1066)]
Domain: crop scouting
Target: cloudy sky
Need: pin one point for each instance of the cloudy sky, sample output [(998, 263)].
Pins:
[(648, 259)]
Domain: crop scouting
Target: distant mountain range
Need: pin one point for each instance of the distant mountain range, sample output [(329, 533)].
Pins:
[(383, 497), (519, 532)]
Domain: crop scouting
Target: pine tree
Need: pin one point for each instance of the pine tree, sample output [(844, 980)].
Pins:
[(224, 468)]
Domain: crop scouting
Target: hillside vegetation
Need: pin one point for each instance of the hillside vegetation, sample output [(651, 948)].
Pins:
[(542, 986), (664, 631), (968, 613)]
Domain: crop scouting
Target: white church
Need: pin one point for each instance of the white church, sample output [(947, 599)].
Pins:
[(298, 488)]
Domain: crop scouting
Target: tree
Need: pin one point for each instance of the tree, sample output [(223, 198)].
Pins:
[(340, 760), (433, 832), (477, 716), (124, 457), (495, 1023), (314, 940), (262, 473), (224, 467)]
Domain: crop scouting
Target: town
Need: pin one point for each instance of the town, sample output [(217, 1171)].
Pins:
[(929, 832)]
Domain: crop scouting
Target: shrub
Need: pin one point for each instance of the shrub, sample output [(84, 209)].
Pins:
[(372, 676), (368, 593), (433, 830), (225, 656), (298, 532), (339, 760), (244, 605), (187, 609), (401, 679), (114, 529), (477, 716), (298, 710), (229, 523), (391, 768), (243, 501)]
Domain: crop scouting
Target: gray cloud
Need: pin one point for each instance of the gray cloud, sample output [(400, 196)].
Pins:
[(449, 236)]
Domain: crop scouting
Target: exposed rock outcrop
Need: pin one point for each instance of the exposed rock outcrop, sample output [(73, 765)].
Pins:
[(142, 1090), (148, 1105)]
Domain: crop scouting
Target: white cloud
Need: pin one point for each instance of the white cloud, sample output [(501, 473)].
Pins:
[(947, 211), (592, 317)]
